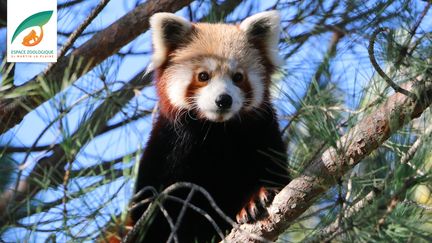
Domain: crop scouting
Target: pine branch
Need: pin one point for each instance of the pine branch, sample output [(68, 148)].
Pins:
[(106, 129), (40, 207), (69, 4), (371, 51), (419, 205), (103, 167), (335, 229), (395, 199), (53, 165), (318, 177), (101, 46), (310, 91), (74, 36), (406, 158), (322, 28)]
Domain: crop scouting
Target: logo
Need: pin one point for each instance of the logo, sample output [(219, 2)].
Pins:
[(32, 31), (36, 20)]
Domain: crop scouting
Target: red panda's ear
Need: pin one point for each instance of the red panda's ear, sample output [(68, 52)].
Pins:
[(264, 30), (169, 31)]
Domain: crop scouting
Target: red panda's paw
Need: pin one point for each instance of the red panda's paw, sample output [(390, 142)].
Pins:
[(256, 208)]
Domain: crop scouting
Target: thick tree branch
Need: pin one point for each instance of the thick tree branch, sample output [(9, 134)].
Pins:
[(320, 175), (102, 45)]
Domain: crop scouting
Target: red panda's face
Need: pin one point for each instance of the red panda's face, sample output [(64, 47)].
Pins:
[(215, 88), (217, 71)]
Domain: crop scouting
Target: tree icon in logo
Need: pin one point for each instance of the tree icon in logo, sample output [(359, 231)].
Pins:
[(37, 19)]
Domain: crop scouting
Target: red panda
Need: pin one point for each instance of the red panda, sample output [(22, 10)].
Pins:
[(216, 127)]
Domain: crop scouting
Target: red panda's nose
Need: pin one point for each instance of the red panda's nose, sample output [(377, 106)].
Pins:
[(224, 101)]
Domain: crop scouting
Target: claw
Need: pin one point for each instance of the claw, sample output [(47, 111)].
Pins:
[(255, 208), (242, 217)]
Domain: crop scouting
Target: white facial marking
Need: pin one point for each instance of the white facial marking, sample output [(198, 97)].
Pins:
[(207, 96), (179, 78)]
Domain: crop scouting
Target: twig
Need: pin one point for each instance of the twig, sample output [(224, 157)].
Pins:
[(169, 220), (371, 51), (144, 190), (422, 206), (19, 149), (68, 4), (416, 26), (334, 228), (406, 158), (66, 178), (82, 27), (130, 236), (165, 194), (200, 211), (409, 182), (74, 36), (181, 215), (310, 91)]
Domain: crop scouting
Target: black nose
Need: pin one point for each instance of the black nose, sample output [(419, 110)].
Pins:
[(224, 101)]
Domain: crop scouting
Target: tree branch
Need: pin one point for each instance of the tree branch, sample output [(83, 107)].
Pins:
[(102, 45), (335, 229), (310, 91), (78, 31), (371, 51), (52, 166), (320, 175), (69, 4)]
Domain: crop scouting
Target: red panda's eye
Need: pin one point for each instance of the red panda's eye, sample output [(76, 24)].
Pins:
[(203, 76), (237, 78)]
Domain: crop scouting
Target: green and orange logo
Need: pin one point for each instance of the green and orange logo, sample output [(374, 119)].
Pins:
[(35, 20)]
